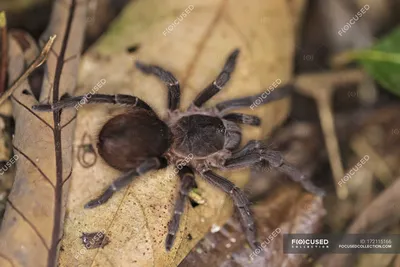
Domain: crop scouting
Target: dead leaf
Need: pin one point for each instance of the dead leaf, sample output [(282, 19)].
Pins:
[(135, 219), (33, 221), (286, 208), (382, 212)]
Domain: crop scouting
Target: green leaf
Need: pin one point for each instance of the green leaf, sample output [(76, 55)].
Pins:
[(383, 61)]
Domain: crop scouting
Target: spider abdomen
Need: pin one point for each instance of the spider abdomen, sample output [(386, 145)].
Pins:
[(200, 135), (128, 139)]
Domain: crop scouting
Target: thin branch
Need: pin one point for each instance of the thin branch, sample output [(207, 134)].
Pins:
[(35, 64), (321, 88), (381, 213)]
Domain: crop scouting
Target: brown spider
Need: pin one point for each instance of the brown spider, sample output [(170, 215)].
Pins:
[(137, 142)]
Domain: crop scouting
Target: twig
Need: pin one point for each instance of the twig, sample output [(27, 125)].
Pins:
[(3, 52), (383, 211), (321, 88), (380, 168), (35, 64)]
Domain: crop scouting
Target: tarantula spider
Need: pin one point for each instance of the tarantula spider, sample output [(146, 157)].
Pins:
[(137, 142)]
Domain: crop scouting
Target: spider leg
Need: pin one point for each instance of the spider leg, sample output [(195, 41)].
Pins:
[(187, 183), (241, 202), (174, 93), (248, 148), (125, 179), (243, 119), (255, 152), (248, 101), (219, 82), (129, 100)]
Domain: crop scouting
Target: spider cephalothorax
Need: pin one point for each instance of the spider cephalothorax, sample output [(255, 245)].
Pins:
[(138, 141)]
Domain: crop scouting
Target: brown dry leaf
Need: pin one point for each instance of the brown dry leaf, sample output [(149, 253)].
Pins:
[(33, 221), (135, 219), (287, 208), (381, 213)]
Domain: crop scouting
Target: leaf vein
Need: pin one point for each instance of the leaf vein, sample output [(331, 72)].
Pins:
[(29, 222), (33, 113), (66, 179), (58, 200), (115, 215), (67, 123), (53, 52), (7, 259), (203, 40), (34, 164)]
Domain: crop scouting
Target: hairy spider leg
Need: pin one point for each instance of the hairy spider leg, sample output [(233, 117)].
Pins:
[(247, 101), (121, 99), (123, 180), (254, 152), (219, 82), (174, 93), (187, 183), (243, 119), (241, 202)]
